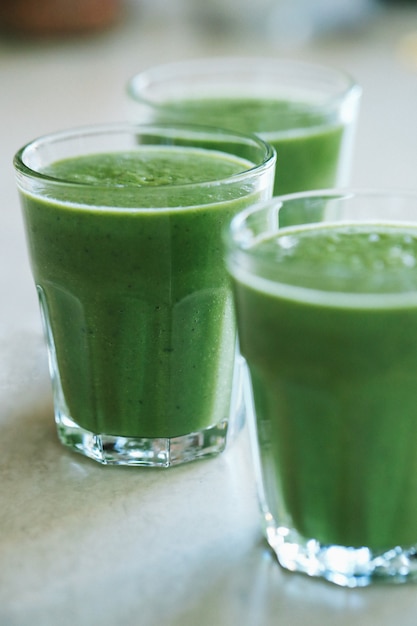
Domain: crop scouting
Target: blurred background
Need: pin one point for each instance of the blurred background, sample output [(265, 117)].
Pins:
[(286, 22)]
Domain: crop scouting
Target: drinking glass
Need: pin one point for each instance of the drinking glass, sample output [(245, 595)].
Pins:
[(306, 111), (123, 226), (325, 287)]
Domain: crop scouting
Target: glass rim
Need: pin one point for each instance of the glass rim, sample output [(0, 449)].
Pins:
[(239, 242), (330, 193), (224, 64), (92, 130)]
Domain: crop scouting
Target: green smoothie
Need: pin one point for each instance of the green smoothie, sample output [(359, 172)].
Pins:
[(308, 144), (137, 298), (333, 364)]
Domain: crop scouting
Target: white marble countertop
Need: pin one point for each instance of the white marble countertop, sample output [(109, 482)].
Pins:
[(82, 544)]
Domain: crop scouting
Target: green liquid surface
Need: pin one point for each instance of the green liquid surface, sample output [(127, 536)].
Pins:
[(137, 299), (308, 144), (334, 381)]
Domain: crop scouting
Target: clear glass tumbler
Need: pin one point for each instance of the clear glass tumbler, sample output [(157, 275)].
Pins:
[(325, 288), (123, 225), (306, 111)]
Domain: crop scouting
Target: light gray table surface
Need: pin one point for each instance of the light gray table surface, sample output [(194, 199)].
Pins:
[(82, 544)]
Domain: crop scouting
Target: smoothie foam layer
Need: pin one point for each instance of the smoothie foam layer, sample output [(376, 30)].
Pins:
[(147, 167), (352, 263)]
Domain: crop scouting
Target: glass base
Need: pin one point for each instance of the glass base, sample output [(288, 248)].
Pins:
[(158, 452), (344, 566)]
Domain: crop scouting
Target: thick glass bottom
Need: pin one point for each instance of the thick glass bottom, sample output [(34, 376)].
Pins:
[(344, 566), (160, 451), (151, 452)]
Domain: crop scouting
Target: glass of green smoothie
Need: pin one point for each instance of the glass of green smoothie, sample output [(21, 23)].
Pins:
[(325, 286), (123, 224), (306, 111)]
